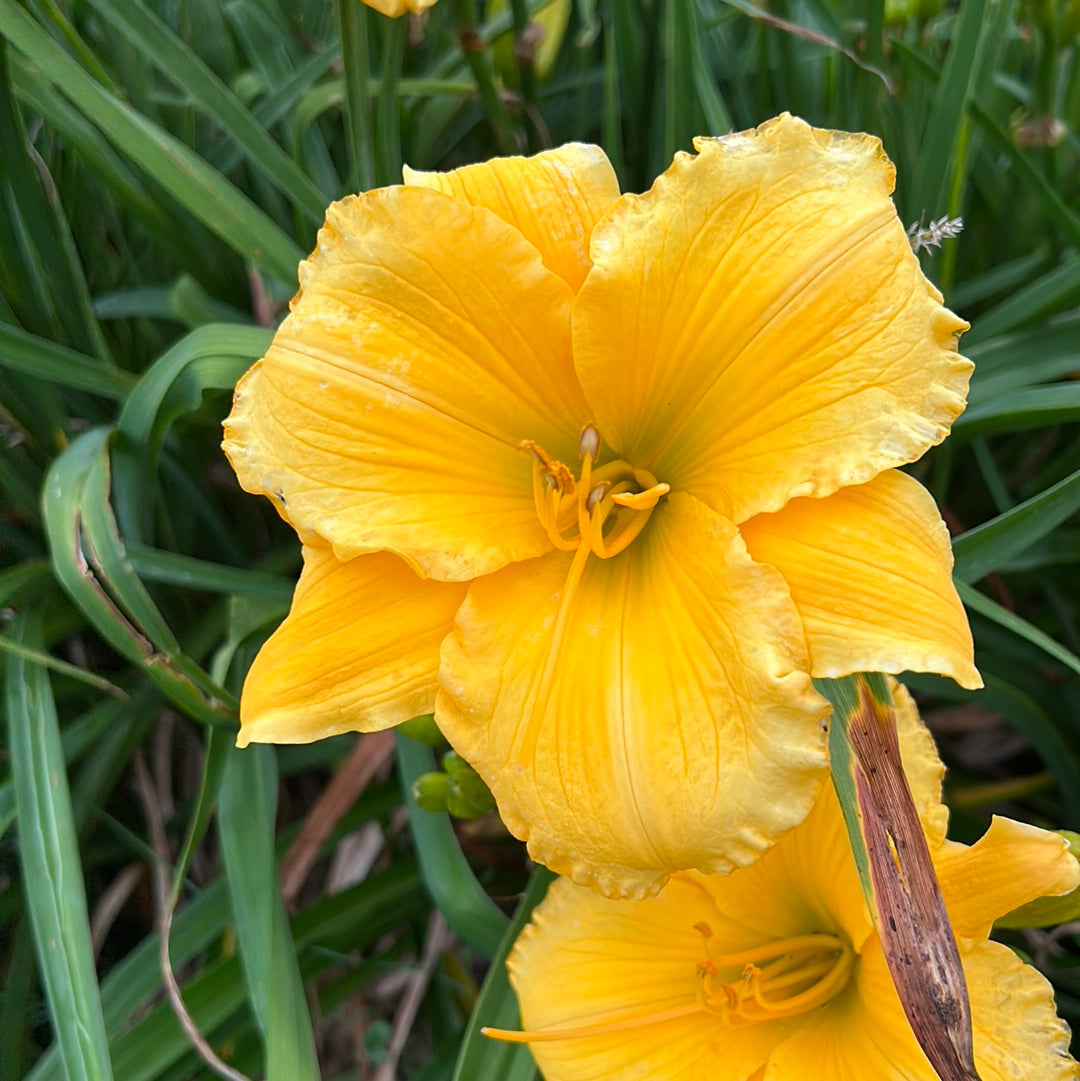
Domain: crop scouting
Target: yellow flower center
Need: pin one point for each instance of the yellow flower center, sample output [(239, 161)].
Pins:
[(602, 510), (782, 978)]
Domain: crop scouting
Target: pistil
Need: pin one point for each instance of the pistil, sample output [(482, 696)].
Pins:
[(605, 508), (600, 513)]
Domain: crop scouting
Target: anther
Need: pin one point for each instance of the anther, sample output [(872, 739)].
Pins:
[(590, 442), (596, 495)]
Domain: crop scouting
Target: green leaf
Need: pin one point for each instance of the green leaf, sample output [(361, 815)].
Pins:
[(91, 564), (1038, 299), (1008, 362), (248, 803), (1034, 407), (482, 1058), (468, 909), (56, 897), (1019, 626), (941, 136), (213, 357), (178, 62), (204, 192), (24, 352), (992, 544)]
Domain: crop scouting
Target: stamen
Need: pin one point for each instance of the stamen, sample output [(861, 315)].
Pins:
[(642, 500), (609, 505), (782, 978), (590, 442), (596, 495)]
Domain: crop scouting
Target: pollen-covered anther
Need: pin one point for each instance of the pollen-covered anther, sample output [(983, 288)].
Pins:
[(783, 978)]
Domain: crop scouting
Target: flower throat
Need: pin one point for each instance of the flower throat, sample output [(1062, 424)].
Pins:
[(600, 513), (782, 978), (603, 511)]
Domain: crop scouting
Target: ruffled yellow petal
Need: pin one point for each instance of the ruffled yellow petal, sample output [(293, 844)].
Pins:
[(1016, 1032), (922, 766), (1011, 864), (359, 651), (586, 961), (678, 728), (554, 198), (806, 884), (870, 571), (428, 340), (756, 328)]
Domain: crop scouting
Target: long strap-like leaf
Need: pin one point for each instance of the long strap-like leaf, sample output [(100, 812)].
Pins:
[(897, 873)]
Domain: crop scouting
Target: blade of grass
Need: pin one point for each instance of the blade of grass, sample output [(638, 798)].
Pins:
[(468, 909), (992, 544), (482, 1058), (212, 357), (1019, 626), (37, 94), (90, 563), (49, 245), (1040, 354), (1047, 294), (194, 184), (51, 865), (248, 802), (181, 64), (356, 62), (1033, 407), (21, 351), (155, 565), (937, 147)]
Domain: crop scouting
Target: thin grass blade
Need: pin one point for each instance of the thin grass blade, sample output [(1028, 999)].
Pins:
[(51, 865)]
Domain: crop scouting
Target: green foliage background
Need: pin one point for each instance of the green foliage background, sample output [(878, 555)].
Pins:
[(163, 168)]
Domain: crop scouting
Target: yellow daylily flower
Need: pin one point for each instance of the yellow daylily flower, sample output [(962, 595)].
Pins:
[(775, 972), (632, 461)]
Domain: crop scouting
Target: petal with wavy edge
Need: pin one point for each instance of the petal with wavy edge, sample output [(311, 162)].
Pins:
[(923, 767), (870, 571), (1016, 1032), (427, 341), (554, 198), (679, 729), (588, 961), (808, 883), (756, 326), (1011, 864), (358, 652)]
